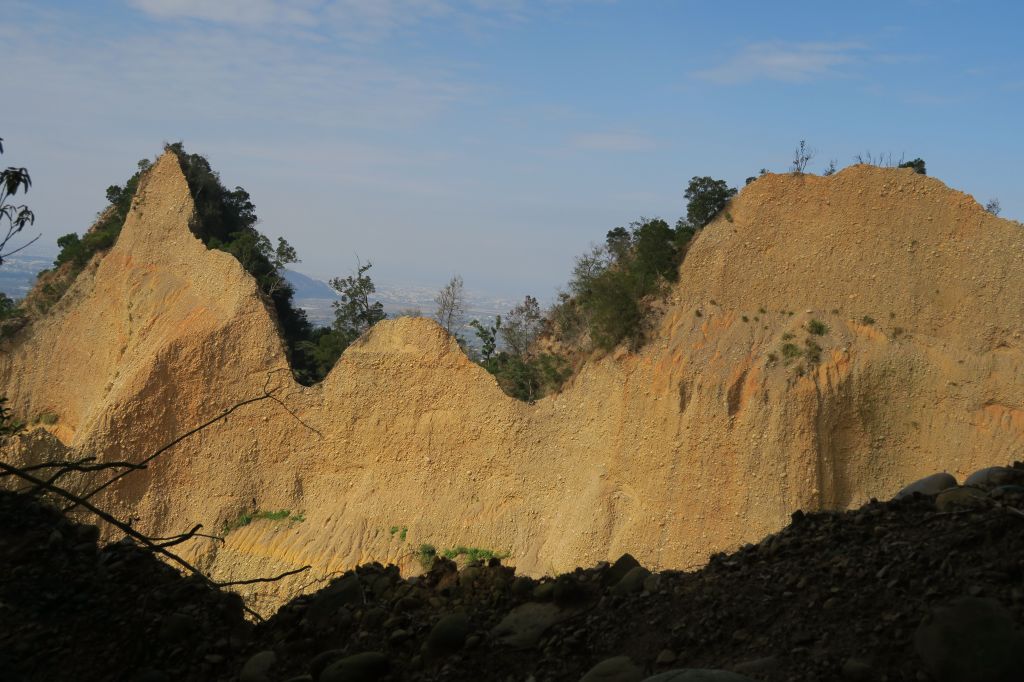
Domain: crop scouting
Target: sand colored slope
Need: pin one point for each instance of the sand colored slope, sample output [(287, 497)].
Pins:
[(706, 439)]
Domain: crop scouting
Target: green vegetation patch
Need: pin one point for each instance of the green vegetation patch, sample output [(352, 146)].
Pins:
[(817, 327), (790, 351), (245, 518), (426, 554), (400, 531), (473, 554)]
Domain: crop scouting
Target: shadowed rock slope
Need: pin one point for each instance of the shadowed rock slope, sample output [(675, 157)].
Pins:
[(707, 438), (919, 589)]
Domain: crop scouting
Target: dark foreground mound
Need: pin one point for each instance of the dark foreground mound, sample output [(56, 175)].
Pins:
[(921, 588)]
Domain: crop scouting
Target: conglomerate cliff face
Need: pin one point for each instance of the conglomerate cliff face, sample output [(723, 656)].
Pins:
[(707, 438)]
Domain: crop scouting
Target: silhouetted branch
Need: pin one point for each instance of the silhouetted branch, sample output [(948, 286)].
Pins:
[(178, 539), (253, 581)]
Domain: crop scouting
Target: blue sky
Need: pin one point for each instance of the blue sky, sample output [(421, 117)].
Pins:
[(497, 138)]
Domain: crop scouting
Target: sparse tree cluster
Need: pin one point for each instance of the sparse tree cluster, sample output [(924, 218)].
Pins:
[(522, 370)]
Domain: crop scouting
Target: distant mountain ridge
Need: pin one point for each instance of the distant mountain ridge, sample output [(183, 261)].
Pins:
[(308, 287)]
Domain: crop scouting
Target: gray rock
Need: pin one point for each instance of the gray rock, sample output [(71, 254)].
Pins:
[(758, 665), (970, 640), (568, 591), (544, 591), (324, 659), (448, 635), (698, 675), (632, 582), (666, 657), (858, 670), (1004, 490), (961, 498), (178, 627), (369, 666), (326, 603), (257, 668), (929, 485), (652, 583), (151, 675), (618, 669), (991, 477), (618, 570), (525, 624)]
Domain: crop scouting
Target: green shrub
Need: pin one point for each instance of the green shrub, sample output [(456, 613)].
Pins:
[(529, 378), (813, 350), (790, 351), (247, 517), (867, 319), (817, 327), (48, 418), (472, 554), (427, 554)]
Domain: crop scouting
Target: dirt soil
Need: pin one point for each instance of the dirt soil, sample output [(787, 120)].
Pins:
[(831, 596)]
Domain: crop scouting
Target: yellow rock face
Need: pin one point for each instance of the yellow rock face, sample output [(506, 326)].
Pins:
[(704, 440)]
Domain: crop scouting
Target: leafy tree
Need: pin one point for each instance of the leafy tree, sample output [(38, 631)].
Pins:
[(589, 267), (655, 253), (528, 379), (613, 309), (8, 306), (566, 318), (13, 217), (523, 325), (917, 165), (318, 354), (619, 242), (705, 198), (354, 313), (488, 337)]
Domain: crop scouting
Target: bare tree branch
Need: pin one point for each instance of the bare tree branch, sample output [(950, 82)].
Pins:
[(253, 581)]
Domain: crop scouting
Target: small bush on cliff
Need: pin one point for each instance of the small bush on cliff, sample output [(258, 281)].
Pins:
[(245, 518), (917, 165), (817, 327), (427, 554)]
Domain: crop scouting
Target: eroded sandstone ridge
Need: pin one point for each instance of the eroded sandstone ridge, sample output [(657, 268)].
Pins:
[(706, 439)]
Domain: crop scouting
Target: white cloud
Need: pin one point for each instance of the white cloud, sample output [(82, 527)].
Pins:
[(356, 20), (786, 62), (612, 142), (252, 12)]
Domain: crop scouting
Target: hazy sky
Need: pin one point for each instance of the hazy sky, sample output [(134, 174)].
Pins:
[(496, 138)]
